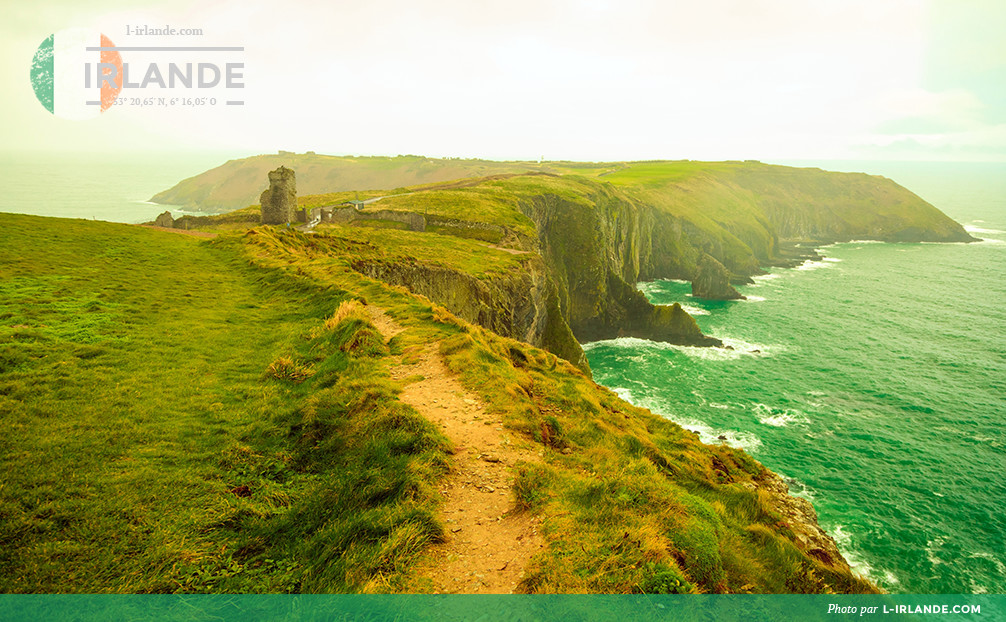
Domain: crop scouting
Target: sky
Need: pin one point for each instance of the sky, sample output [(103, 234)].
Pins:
[(552, 79)]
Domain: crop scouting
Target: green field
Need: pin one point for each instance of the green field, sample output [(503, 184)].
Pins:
[(149, 437)]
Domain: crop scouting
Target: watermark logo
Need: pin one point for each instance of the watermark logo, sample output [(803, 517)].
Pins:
[(58, 73), (79, 74)]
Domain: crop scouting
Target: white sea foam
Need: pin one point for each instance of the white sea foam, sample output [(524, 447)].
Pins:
[(627, 342), (814, 265), (992, 558), (623, 393), (852, 555), (740, 347), (747, 347), (762, 278), (707, 434), (779, 418), (694, 310), (754, 299), (647, 287), (831, 259), (972, 229), (798, 488), (931, 546)]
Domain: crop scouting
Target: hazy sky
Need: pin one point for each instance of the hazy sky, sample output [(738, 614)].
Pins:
[(593, 79)]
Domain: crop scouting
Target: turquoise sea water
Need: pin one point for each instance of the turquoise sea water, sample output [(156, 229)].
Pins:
[(875, 381)]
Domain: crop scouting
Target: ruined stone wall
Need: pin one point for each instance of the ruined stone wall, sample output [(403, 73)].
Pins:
[(279, 200), (415, 221)]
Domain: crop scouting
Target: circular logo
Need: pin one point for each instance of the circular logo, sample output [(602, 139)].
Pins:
[(76, 73)]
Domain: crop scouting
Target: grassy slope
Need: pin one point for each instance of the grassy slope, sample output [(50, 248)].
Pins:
[(136, 397), (386, 242), (238, 183), (750, 199), (186, 415)]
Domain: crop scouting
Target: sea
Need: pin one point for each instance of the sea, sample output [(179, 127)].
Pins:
[(873, 380), (98, 186)]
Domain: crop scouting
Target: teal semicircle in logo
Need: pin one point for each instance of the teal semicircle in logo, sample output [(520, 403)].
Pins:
[(42, 74)]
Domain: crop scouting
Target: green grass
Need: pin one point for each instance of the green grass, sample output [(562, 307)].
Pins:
[(484, 203), (336, 198), (380, 224), (147, 447), (471, 256)]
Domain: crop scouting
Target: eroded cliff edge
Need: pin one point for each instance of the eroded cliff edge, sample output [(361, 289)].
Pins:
[(592, 242)]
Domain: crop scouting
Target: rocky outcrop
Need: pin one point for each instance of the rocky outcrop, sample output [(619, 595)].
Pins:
[(712, 281), (800, 517), (164, 220), (279, 200)]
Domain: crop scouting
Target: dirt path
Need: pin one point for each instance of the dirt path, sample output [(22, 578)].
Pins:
[(512, 251), (488, 543)]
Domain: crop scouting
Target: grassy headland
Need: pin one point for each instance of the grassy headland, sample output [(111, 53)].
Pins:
[(183, 414)]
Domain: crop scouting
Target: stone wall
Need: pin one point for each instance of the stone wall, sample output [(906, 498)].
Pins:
[(334, 213)]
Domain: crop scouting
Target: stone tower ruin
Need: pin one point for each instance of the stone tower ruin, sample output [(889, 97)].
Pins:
[(279, 200)]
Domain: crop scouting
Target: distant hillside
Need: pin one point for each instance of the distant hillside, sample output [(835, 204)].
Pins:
[(745, 209), (742, 209), (238, 183)]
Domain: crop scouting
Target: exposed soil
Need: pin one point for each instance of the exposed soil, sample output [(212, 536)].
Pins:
[(512, 251), (488, 541)]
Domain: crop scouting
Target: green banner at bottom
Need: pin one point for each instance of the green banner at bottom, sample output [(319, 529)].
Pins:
[(526, 608)]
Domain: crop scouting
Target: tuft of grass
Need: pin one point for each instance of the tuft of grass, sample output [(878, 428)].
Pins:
[(286, 368), (531, 485)]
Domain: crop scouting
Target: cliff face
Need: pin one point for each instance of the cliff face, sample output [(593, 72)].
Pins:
[(523, 305), (580, 286), (596, 247), (596, 241)]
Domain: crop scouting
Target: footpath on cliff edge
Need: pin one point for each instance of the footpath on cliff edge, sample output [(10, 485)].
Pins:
[(488, 542)]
